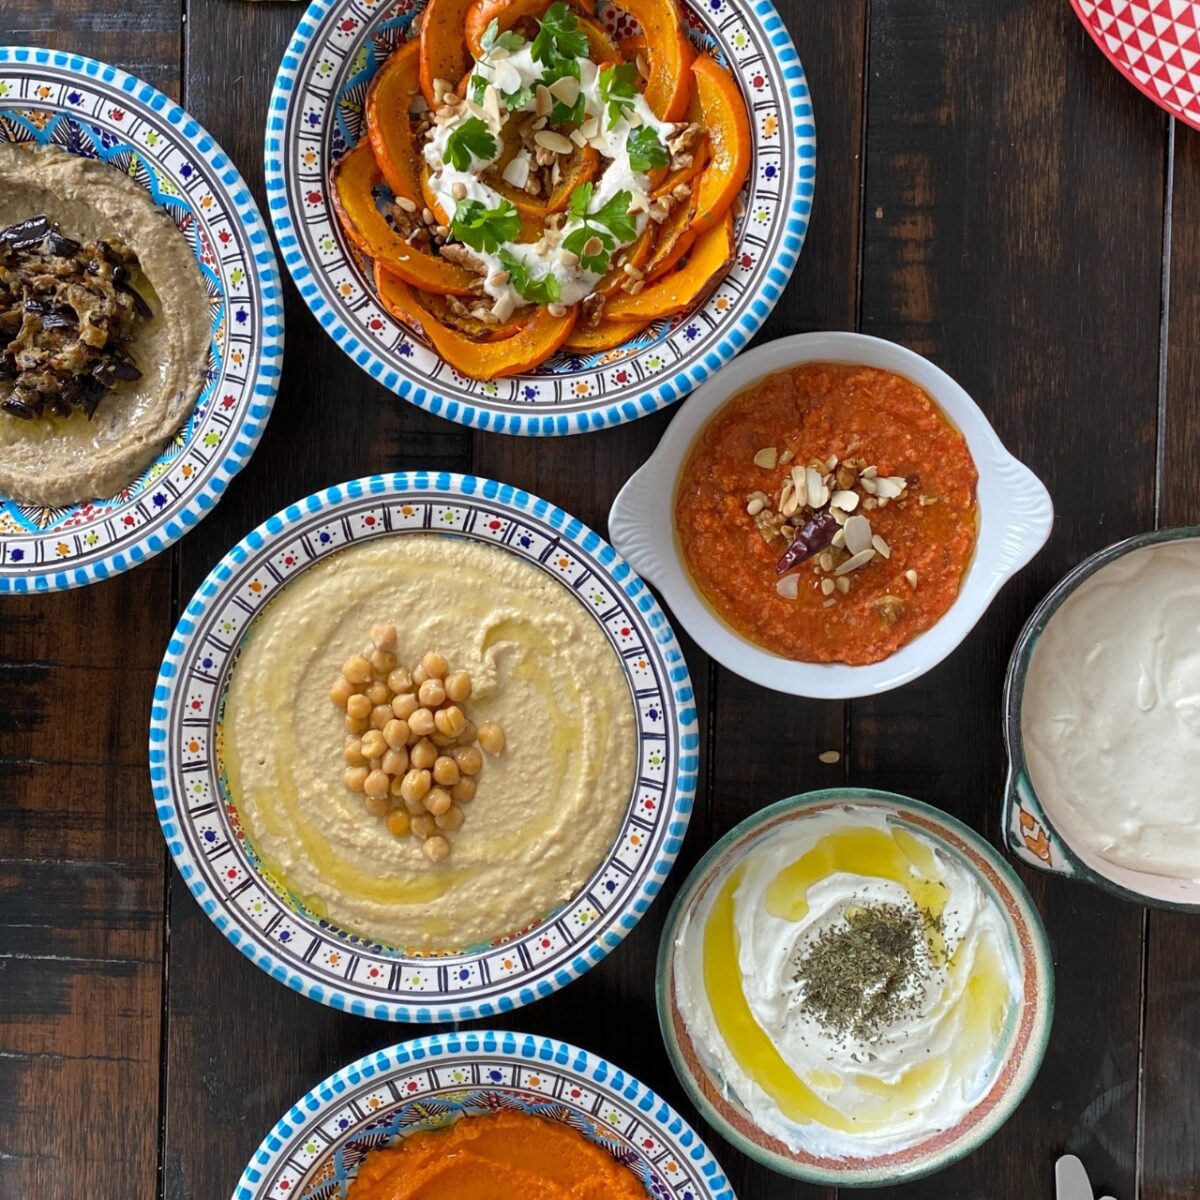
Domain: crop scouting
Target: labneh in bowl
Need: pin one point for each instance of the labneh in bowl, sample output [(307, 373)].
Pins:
[(1013, 507), (1037, 833), (804, 1151)]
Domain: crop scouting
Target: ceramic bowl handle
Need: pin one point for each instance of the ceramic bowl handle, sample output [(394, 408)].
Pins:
[(1030, 515), (1030, 836), (631, 523)]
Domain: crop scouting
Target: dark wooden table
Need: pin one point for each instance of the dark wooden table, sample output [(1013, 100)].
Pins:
[(991, 193)]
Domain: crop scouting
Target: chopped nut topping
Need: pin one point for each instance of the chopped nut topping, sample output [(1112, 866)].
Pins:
[(766, 458)]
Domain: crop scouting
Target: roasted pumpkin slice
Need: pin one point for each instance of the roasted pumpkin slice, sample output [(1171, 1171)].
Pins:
[(443, 51), (506, 13), (669, 55), (601, 47), (605, 335), (678, 291), (430, 199), (665, 180), (389, 127), (353, 181), (729, 141), (574, 170), (538, 338), (440, 308), (636, 254), (674, 239)]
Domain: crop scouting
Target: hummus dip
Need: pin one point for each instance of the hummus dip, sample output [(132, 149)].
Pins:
[(739, 970), (547, 811), (1110, 713), (57, 461)]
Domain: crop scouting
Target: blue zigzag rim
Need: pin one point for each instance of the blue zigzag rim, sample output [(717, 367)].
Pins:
[(260, 258), (597, 1073), (760, 297), (584, 951)]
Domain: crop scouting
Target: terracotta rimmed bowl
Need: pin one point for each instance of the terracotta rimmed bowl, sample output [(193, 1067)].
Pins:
[(273, 928), (317, 1147), (1015, 516), (316, 114), (1033, 835), (1026, 1035), (90, 109)]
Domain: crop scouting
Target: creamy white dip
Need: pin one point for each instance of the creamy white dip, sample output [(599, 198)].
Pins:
[(1111, 712), (833, 1094), (517, 71)]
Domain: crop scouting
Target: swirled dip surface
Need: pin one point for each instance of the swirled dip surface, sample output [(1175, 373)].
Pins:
[(1110, 717), (546, 812), (837, 1093)]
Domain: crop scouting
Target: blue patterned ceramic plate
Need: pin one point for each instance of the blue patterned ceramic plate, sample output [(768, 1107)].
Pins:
[(317, 113), (316, 1149), (93, 110), (271, 927)]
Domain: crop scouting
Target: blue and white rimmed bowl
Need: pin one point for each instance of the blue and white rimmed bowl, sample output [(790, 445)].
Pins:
[(96, 111), (316, 114), (310, 954), (318, 1146)]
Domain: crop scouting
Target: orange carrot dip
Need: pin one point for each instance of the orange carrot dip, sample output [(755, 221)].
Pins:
[(480, 1158), (829, 450)]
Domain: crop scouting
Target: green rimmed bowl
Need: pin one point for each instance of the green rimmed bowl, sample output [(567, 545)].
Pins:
[(1033, 835), (1020, 1055)]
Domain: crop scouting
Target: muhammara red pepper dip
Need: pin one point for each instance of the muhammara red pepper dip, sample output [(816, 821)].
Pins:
[(828, 513)]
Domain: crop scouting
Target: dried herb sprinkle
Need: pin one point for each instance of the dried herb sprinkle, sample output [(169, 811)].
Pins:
[(867, 970)]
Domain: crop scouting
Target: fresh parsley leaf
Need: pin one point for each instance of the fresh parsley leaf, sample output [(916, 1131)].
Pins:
[(579, 238), (614, 216), (558, 36), (472, 139), (565, 114), (618, 91), (485, 229), (581, 197), (478, 86), (492, 37), (645, 150), (515, 101), (543, 290)]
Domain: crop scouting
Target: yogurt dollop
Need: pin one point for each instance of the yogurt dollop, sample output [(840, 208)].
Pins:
[(1110, 716), (832, 1093)]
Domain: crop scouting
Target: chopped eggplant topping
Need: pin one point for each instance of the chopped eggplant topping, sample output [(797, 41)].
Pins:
[(67, 315)]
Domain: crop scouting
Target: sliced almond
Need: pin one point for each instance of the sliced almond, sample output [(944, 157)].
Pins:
[(890, 487), (766, 458), (503, 308), (831, 463), (855, 561), (839, 540), (843, 583), (516, 172), (825, 562), (800, 483), (543, 102), (881, 547), (840, 516), (592, 247), (577, 137), (568, 259), (557, 310), (867, 484), (846, 501), (789, 587), (827, 586), (785, 458), (643, 67), (566, 89), (756, 506), (858, 535), (818, 493), (590, 127), (791, 505), (499, 279), (911, 576), (506, 78), (633, 117), (868, 473), (548, 139)]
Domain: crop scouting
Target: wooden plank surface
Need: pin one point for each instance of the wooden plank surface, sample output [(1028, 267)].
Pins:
[(81, 857), (1007, 221), (1170, 1143)]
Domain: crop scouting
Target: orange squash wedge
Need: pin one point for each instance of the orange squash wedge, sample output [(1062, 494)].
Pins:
[(636, 253), (533, 343), (443, 52), (575, 170), (605, 335), (675, 293), (669, 53), (729, 142), (601, 47), (674, 240), (352, 189), (388, 126), (430, 198), (506, 13)]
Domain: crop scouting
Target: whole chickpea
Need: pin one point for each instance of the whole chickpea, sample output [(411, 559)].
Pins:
[(395, 733), (356, 725), (383, 636), (419, 675), (435, 665), (352, 751), (357, 669), (379, 693), (342, 691), (358, 707), (383, 663), (424, 754), (395, 762), (373, 744), (355, 778), (437, 801), (436, 848), (422, 723), (400, 680), (432, 693), (458, 686), (381, 714), (463, 792), (451, 819), (470, 761), (376, 785), (399, 824), (416, 784), (449, 720), (491, 738), (377, 806), (423, 825), (404, 705), (445, 771)]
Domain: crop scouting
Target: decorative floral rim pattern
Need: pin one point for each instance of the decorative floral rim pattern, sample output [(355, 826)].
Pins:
[(316, 110), (315, 957), (318, 1146), (1027, 1037), (89, 108)]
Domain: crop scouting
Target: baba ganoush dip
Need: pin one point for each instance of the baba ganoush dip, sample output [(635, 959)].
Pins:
[(547, 810), (60, 460), (1110, 713), (851, 983)]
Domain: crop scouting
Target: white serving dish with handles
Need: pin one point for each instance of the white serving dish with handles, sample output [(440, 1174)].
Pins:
[(1015, 516)]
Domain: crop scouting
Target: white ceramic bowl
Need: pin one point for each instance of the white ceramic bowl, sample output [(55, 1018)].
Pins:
[(1015, 515)]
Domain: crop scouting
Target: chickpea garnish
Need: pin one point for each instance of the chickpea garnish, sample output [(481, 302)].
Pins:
[(411, 751)]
